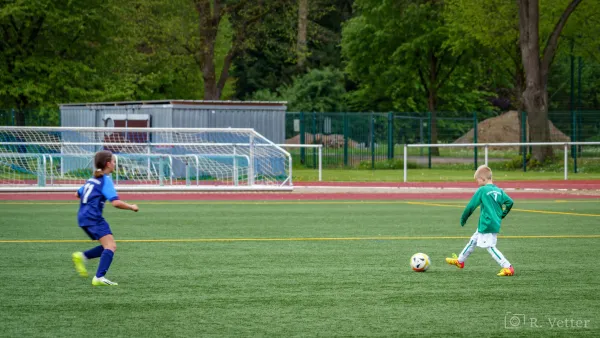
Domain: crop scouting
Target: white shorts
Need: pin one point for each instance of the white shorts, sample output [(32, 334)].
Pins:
[(484, 240)]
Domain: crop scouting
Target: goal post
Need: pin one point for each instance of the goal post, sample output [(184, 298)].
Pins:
[(58, 158)]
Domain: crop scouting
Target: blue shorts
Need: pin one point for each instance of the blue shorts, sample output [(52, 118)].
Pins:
[(97, 231)]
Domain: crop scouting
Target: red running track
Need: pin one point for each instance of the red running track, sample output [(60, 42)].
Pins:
[(289, 196), (588, 185)]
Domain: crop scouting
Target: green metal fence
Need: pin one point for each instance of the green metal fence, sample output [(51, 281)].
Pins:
[(373, 140), (364, 139)]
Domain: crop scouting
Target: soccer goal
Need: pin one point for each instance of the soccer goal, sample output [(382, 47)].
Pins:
[(58, 158)]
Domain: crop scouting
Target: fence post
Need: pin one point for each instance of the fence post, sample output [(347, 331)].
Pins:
[(390, 135), (320, 163), (161, 172), (429, 140), (372, 141), (475, 139), (345, 139), (566, 161), (12, 116), (421, 138), (187, 173), (405, 162), (578, 137), (116, 168), (41, 174), (486, 154), (314, 132), (574, 139), (302, 139), (524, 138)]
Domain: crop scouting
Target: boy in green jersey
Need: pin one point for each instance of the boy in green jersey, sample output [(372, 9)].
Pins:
[(491, 199)]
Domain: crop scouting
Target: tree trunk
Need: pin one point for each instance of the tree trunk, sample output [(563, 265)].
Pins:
[(535, 96), (432, 101), (301, 48), (536, 100), (518, 95), (209, 19)]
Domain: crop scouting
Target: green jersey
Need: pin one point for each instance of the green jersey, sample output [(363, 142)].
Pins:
[(491, 198)]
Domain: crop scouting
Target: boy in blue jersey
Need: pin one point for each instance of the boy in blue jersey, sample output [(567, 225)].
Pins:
[(92, 196), (491, 199)]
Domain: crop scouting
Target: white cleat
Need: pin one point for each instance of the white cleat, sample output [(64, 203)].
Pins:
[(102, 282)]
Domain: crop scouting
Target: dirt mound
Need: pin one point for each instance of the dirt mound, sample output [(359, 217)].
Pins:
[(505, 128), (328, 141)]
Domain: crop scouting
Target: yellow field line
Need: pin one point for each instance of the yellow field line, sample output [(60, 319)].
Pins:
[(193, 240)]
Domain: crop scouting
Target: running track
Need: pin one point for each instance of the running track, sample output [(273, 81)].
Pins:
[(556, 190)]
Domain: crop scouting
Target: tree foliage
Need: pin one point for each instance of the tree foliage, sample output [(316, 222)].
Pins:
[(451, 56), (50, 51)]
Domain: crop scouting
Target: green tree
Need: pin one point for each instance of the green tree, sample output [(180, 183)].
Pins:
[(150, 59), (245, 17), (276, 61), (319, 90), (399, 55), (49, 51), (493, 28)]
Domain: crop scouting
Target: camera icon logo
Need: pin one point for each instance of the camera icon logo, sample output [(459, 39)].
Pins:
[(514, 320)]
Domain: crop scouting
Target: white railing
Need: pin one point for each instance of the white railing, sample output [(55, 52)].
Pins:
[(487, 145), (318, 146)]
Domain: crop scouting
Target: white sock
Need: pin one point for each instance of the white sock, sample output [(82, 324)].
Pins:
[(467, 251), (499, 257)]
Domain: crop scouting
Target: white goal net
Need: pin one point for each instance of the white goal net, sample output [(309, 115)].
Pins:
[(57, 158)]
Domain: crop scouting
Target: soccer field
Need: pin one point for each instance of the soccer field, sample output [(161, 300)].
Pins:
[(301, 268)]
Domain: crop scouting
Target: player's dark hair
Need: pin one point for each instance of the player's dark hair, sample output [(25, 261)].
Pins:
[(100, 160)]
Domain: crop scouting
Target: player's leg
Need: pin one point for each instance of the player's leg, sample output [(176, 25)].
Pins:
[(459, 261), (110, 246), (79, 258), (507, 269)]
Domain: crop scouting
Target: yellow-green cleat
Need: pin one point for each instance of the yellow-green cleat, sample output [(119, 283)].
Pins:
[(79, 261), (510, 271), (101, 281), (454, 261)]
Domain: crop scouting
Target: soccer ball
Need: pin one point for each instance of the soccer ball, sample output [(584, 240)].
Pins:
[(419, 262)]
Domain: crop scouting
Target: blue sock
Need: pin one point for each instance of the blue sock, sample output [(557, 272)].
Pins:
[(94, 253), (105, 260)]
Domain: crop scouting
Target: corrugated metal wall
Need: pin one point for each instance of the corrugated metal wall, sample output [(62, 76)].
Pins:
[(266, 120)]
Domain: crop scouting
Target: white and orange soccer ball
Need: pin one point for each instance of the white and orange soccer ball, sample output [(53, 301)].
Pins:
[(420, 262)]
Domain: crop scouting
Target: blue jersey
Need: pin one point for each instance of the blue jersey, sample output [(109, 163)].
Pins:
[(92, 197)]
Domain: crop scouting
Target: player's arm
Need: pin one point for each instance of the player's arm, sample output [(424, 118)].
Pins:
[(508, 204), (108, 190), (470, 208), (79, 193), (124, 205)]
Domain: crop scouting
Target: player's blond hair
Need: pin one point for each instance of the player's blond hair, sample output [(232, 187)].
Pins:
[(483, 172)]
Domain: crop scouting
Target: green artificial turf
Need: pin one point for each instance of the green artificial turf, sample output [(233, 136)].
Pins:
[(300, 269)]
